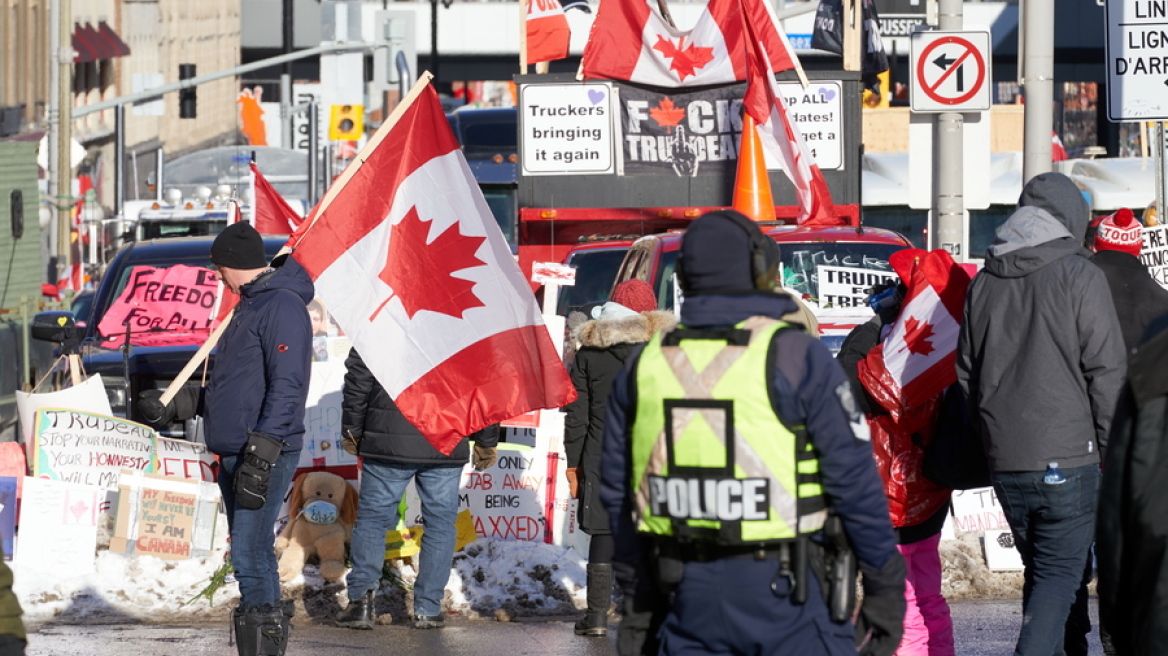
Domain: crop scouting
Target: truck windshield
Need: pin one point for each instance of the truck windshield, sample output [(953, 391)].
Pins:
[(193, 228), (595, 272)]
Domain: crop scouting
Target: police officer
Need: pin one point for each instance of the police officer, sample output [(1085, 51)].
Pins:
[(730, 442)]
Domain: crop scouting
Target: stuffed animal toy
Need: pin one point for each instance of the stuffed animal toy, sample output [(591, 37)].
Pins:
[(321, 512)]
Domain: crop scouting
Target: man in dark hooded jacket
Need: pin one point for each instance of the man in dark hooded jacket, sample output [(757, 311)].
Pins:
[(772, 402), (1041, 361), (254, 420)]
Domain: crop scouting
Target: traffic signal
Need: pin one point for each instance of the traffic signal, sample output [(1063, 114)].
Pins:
[(187, 105), (346, 122)]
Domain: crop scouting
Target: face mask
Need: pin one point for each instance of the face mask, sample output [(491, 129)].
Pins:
[(320, 512)]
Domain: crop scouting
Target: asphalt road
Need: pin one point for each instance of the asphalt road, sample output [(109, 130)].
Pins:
[(982, 628)]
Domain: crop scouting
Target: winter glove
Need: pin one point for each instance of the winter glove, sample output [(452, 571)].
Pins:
[(880, 623), (152, 410), (573, 474), (253, 476), (484, 457)]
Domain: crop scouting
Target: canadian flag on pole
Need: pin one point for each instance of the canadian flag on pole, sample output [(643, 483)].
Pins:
[(782, 140), (413, 267), (271, 213), (630, 40), (917, 359), (548, 33)]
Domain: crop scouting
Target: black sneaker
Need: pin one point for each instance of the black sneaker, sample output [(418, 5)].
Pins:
[(429, 621), (358, 614)]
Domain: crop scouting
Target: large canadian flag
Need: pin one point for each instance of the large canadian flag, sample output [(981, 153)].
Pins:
[(781, 138), (917, 359), (631, 41), (415, 270), (271, 214), (548, 34)]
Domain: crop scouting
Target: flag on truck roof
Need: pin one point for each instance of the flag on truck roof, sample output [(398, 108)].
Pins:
[(548, 33), (782, 139), (917, 359), (413, 267), (632, 41)]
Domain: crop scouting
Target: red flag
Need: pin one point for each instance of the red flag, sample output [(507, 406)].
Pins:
[(631, 41), (1057, 152), (917, 359), (782, 139), (273, 215), (548, 33), (415, 270)]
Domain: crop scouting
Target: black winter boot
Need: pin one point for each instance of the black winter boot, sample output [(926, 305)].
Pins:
[(260, 630), (358, 614), (595, 622)]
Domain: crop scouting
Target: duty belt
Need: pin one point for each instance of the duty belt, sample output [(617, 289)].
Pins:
[(704, 552)]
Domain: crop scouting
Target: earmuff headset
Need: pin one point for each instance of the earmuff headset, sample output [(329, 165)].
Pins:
[(764, 253)]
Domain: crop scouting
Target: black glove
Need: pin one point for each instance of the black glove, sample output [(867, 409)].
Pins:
[(252, 477), (152, 410), (880, 623)]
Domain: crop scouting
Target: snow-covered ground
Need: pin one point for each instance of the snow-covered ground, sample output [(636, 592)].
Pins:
[(489, 579)]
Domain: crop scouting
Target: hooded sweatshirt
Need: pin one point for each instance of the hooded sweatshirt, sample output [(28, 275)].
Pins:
[(1041, 356)]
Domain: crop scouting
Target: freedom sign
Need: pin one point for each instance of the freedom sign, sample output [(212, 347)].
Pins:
[(173, 299)]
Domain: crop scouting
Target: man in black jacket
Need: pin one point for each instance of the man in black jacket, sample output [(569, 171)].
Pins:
[(1138, 298), (395, 453), (1041, 362)]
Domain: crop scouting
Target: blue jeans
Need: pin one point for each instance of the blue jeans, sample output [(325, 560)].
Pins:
[(382, 486), (1053, 526), (253, 536)]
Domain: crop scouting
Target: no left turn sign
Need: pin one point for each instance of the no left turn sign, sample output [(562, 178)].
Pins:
[(950, 71)]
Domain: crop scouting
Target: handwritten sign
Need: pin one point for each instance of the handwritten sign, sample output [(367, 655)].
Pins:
[(165, 517), (81, 447), (978, 511), (177, 298), (553, 273), (58, 529), (848, 286), (182, 459), (1154, 254)]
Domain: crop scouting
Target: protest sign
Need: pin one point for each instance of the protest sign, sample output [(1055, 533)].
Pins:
[(182, 459), (847, 286), (82, 447), (322, 422), (58, 529), (978, 511), (172, 299), (89, 396), (1154, 254), (169, 518)]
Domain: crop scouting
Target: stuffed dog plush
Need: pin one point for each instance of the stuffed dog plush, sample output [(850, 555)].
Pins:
[(321, 512)]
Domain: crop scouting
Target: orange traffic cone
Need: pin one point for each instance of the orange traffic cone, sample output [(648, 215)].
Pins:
[(752, 187)]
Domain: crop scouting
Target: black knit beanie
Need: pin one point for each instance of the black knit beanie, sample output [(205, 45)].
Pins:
[(716, 252), (239, 246)]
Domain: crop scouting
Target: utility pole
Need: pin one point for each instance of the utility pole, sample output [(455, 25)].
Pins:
[(1037, 87), (54, 113), (289, 136), (948, 200), (434, 41), (65, 132)]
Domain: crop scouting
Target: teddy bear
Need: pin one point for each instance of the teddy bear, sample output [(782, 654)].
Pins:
[(321, 514)]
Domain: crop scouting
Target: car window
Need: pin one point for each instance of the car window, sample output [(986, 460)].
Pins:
[(663, 281), (801, 261), (595, 273)]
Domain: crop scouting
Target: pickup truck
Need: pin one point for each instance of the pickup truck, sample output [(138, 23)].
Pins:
[(156, 353)]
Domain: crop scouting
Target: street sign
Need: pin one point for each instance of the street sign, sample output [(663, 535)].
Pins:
[(950, 72), (1137, 69)]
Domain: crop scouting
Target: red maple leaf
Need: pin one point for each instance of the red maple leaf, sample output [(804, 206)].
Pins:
[(666, 114), (420, 274), (916, 336), (684, 61)]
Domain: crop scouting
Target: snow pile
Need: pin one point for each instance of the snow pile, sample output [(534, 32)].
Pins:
[(965, 575)]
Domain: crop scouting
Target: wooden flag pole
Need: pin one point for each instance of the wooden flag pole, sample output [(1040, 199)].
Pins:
[(195, 361)]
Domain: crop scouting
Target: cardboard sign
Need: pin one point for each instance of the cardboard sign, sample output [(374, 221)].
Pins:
[(164, 517), (87, 448), (89, 396), (174, 299), (58, 529), (978, 511), (182, 459), (1155, 253), (553, 273), (847, 286), (322, 420)]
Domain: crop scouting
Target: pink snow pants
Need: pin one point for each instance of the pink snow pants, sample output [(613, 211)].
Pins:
[(928, 629)]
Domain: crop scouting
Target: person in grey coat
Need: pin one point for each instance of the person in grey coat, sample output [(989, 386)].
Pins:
[(1041, 361)]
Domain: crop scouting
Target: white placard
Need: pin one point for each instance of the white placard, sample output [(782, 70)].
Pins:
[(818, 112), (553, 273), (1137, 70), (1154, 253), (89, 396), (567, 129), (58, 529), (847, 287), (1001, 555), (978, 511)]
